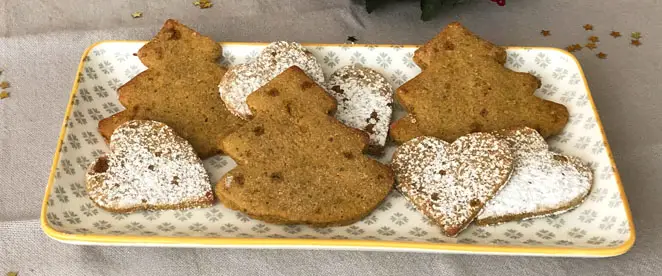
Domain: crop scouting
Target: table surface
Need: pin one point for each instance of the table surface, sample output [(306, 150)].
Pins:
[(41, 43)]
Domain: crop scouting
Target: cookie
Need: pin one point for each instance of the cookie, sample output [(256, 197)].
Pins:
[(296, 164), (464, 88), (239, 82), (281, 55), (179, 88), (451, 182), (149, 167), (242, 80), (457, 36), (365, 100), (542, 182)]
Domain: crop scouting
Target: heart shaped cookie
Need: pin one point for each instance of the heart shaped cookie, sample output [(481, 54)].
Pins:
[(365, 100), (542, 182), (149, 167), (241, 80), (450, 183)]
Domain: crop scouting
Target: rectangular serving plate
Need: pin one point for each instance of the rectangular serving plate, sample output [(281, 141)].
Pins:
[(602, 226)]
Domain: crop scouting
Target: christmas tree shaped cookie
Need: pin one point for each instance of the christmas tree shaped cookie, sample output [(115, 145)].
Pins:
[(296, 163), (465, 88), (179, 88)]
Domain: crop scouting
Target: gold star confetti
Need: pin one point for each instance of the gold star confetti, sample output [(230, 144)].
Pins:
[(12, 273), (591, 45), (588, 27), (203, 4), (4, 94), (594, 39), (4, 85), (615, 34), (601, 55), (545, 33), (636, 35), (573, 48), (137, 14), (635, 42)]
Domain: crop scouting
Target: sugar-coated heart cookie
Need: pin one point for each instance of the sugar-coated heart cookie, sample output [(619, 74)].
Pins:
[(241, 80), (542, 182), (365, 100), (450, 182), (148, 167)]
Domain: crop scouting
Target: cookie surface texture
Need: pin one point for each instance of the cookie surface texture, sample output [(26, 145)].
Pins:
[(149, 167), (465, 88), (179, 88), (542, 182), (365, 100), (450, 183), (243, 79), (296, 164)]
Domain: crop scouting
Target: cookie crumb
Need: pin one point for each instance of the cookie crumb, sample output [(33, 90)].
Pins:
[(588, 27), (137, 14)]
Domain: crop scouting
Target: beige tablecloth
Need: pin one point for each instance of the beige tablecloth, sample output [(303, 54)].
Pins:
[(41, 43)]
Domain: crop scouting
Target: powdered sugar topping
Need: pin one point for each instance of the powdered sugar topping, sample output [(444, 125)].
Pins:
[(451, 182), (364, 99), (149, 165), (542, 181), (241, 80)]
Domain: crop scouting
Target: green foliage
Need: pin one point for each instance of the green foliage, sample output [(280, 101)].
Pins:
[(429, 8)]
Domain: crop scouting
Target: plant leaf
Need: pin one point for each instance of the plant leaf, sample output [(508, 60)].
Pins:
[(430, 8), (371, 5)]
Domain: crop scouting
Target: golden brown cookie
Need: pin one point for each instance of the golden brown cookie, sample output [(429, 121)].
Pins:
[(457, 36), (542, 183), (296, 164), (179, 88), (450, 183), (149, 167), (464, 88)]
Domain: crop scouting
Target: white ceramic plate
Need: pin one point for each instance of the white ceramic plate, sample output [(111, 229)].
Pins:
[(601, 226)]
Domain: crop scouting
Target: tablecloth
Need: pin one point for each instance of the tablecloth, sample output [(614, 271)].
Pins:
[(41, 43)]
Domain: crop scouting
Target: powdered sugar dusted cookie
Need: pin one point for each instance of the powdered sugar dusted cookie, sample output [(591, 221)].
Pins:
[(237, 83), (365, 101), (542, 182), (149, 167), (280, 55), (241, 80), (450, 183)]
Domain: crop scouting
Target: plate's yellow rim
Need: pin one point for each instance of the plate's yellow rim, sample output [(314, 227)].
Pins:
[(367, 244)]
